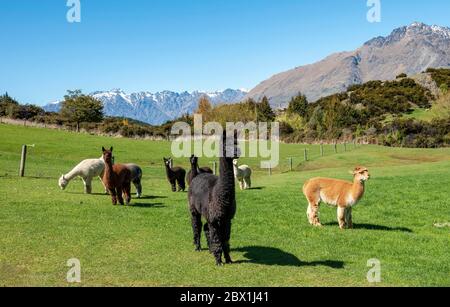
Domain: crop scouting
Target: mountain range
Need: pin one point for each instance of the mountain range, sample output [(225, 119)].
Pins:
[(156, 108), (410, 49)]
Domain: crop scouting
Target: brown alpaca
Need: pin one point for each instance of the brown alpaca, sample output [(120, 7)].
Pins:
[(342, 194), (117, 179)]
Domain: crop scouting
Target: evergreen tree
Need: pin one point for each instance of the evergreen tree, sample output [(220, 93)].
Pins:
[(78, 108), (298, 105), (265, 112)]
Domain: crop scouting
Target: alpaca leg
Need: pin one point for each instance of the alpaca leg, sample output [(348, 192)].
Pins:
[(216, 244), (341, 217), (197, 229), (309, 214), (138, 185), (241, 184), (349, 217), (104, 186), (207, 234), (174, 185), (119, 191), (88, 185), (313, 212), (226, 234), (249, 183), (113, 194), (127, 193), (181, 185)]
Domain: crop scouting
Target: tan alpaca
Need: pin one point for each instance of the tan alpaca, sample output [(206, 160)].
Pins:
[(342, 194)]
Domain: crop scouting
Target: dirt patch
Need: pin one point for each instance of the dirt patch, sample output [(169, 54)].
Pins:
[(420, 159)]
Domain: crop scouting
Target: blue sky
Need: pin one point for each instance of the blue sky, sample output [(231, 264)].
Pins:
[(154, 45)]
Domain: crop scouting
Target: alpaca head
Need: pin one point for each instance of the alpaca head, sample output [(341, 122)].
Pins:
[(193, 160), (236, 162), (107, 155), (361, 174), (168, 162), (230, 146), (63, 182)]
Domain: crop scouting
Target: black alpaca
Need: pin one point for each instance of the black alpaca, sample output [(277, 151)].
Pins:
[(214, 198), (196, 170), (175, 175)]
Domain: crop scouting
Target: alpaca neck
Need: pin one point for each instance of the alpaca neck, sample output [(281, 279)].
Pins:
[(195, 170), (226, 184), (358, 189), (169, 171), (108, 169), (72, 174)]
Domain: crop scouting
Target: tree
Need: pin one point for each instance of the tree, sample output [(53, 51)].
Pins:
[(204, 108), (298, 105), (78, 108), (265, 112)]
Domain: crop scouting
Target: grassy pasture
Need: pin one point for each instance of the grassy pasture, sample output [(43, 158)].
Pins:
[(150, 242)]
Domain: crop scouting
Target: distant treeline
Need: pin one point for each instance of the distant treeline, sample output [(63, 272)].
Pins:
[(376, 112)]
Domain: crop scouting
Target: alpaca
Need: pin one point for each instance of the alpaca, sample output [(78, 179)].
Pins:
[(243, 175), (117, 179), (175, 175), (136, 178), (345, 195), (86, 170), (196, 170), (91, 168), (214, 198)]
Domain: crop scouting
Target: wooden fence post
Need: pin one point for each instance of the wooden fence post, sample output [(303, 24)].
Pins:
[(215, 168), (345, 147), (270, 170), (321, 150), (23, 160), (335, 148), (306, 155), (291, 165)]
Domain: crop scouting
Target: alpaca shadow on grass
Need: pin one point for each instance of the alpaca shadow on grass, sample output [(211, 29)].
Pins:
[(275, 256), (374, 227), (152, 197), (257, 188), (147, 205)]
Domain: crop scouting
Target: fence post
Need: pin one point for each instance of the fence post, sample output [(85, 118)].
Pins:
[(270, 169), (335, 148), (345, 147), (306, 155), (321, 150), (291, 165), (23, 160)]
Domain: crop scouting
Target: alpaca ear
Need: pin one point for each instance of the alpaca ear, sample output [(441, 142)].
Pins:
[(111, 148), (103, 149)]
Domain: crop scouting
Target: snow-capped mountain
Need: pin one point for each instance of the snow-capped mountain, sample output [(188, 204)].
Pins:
[(156, 108), (409, 49)]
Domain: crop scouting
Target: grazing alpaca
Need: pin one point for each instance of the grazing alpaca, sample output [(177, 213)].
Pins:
[(175, 175), (195, 170), (214, 198), (86, 170), (136, 178), (243, 175), (338, 193), (117, 179), (91, 168)]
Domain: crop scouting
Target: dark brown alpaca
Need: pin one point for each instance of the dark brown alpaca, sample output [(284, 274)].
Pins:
[(214, 198), (175, 175), (196, 170), (117, 179)]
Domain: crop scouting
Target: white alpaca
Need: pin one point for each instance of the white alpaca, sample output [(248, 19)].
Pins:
[(243, 175), (91, 168), (86, 170)]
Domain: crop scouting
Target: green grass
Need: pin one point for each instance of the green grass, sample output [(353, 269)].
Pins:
[(150, 243)]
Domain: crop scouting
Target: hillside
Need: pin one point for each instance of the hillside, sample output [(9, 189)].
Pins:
[(410, 49)]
